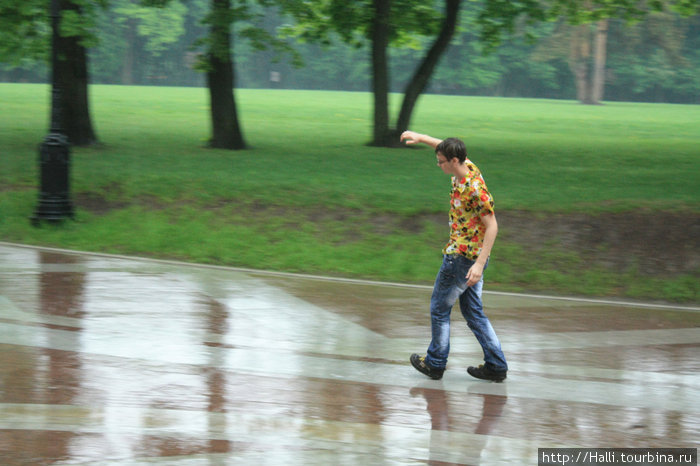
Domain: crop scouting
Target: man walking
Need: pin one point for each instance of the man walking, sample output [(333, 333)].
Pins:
[(473, 230)]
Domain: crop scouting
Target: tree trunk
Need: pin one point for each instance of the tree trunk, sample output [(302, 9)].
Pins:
[(380, 71), (226, 131), (599, 58), (579, 58), (72, 79), (421, 77), (129, 53)]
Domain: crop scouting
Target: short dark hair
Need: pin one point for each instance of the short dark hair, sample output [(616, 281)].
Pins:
[(452, 148)]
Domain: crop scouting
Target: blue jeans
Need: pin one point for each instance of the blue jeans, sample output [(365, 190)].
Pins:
[(450, 285)]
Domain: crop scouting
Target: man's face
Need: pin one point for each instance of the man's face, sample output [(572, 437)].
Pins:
[(447, 166)]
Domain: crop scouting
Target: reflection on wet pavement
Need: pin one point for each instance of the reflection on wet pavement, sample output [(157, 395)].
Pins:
[(107, 360)]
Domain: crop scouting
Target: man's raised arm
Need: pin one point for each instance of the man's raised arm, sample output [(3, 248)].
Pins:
[(411, 137)]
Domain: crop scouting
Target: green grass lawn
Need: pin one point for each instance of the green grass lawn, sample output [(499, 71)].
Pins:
[(310, 196)]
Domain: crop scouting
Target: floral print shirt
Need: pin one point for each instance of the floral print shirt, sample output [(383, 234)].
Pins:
[(470, 200)]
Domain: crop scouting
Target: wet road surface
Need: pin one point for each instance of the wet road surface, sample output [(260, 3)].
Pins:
[(113, 361)]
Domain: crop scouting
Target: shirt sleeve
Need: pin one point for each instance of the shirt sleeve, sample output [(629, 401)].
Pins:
[(482, 201)]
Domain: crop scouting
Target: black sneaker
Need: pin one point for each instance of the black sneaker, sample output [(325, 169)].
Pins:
[(421, 366), (483, 372)]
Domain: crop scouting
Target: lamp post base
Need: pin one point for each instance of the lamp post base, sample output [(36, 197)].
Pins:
[(52, 211), (54, 199)]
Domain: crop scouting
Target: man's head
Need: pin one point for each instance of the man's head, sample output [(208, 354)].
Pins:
[(451, 154), (452, 148)]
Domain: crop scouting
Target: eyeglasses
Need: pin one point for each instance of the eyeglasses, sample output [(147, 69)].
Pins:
[(440, 162)]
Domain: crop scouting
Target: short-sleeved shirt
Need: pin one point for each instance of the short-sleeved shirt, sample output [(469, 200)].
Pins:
[(470, 200)]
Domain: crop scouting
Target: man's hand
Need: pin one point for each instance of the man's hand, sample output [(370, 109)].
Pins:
[(410, 137), (476, 271)]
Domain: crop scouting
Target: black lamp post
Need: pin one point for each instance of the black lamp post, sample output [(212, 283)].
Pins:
[(54, 152)]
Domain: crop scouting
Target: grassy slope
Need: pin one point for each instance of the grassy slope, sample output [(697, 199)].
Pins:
[(310, 196)]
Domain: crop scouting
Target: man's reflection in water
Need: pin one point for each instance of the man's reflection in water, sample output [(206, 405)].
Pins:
[(438, 407)]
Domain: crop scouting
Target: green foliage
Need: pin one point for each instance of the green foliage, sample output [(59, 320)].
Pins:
[(24, 29), (78, 18), (512, 69), (502, 17), (683, 7), (157, 26), (656, 56), (317, 20), (249, 17), (655, 59)]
